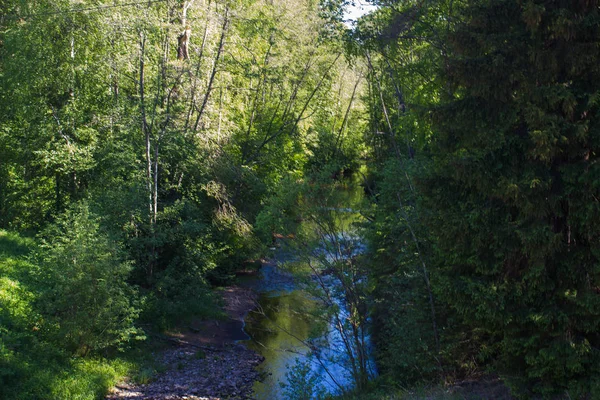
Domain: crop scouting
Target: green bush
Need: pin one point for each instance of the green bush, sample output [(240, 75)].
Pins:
[(302, 383), (176, 298), (30, 366), (84, 297)]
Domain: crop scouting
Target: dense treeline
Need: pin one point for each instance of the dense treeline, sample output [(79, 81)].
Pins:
[(138, 142), (484, 173), (147, 151)]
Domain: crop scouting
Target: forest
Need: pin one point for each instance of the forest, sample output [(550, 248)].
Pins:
[(427, 176)]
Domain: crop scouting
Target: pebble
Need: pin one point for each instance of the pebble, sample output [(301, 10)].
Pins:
[(226, 372)]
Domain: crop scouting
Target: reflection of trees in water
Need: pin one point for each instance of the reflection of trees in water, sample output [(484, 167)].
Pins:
[(330, 333), (324, 324), (279, 327)]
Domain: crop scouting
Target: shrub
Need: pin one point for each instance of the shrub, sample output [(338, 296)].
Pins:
[(84, 298), (302, 383)]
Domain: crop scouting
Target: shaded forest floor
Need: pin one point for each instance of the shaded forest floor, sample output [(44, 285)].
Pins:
[(481, 388), (203, 360), (490, 388)]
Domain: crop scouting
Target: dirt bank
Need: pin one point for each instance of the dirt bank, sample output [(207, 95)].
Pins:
[(204, 361)]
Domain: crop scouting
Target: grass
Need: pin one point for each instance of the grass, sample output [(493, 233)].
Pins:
[(31, 367), (89, 378), (13, 245)]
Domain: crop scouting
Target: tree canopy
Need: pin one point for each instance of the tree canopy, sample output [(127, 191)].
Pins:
[(149, 150)]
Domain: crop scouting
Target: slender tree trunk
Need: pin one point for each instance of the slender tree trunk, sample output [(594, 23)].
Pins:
[(144, 123), (424, 270), (183, 52), (215, 67), (259, 90), (146, 132), (58, 197), (195, 76), (155, 187), (294, 123), (220, 115), (345, 120), (425, 274)]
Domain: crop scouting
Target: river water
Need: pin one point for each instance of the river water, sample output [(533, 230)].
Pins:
[(290, 325)]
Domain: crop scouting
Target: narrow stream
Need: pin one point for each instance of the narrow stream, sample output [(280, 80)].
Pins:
[(284, 324)]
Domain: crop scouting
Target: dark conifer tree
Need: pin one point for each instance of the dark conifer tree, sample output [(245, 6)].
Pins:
[(514, 190)]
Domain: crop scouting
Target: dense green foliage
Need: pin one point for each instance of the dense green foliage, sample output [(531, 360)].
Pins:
[(303, 384), (149, 151), (83, 295), (485, 230), (34, 361), (138, 146), (519, 176)]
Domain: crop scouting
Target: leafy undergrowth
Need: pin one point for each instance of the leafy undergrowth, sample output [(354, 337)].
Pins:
[(416, 394), (489, 388), (32, 367), (393, 393), (86, 378), (41, 376), (35, 364)]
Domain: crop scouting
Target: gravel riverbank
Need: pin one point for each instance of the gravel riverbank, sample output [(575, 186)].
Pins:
[(206, 362)]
